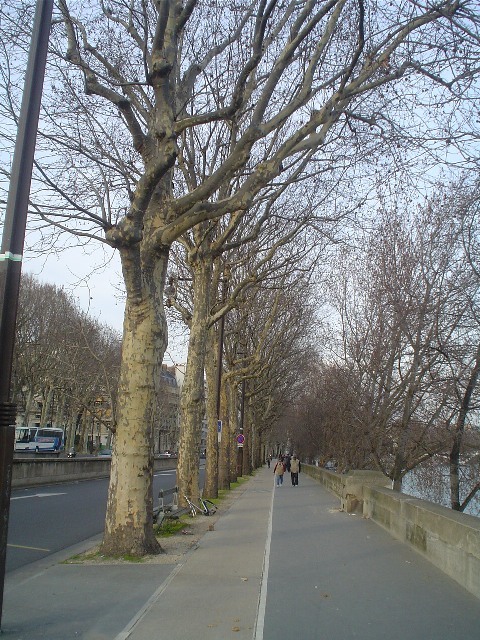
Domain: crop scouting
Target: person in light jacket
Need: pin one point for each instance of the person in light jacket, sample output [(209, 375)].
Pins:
[(279, 470), (294, 470)]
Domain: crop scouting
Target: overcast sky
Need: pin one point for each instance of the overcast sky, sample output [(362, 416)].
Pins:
[(97, 289)]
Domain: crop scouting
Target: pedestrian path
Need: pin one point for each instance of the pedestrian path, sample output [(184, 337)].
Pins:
[(337, 575), (214, 595), (315, 573), (282, 563)]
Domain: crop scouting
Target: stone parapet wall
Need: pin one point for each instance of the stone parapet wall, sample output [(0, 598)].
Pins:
[(332, 481), (347, 486), (448, 539), (38, 471)]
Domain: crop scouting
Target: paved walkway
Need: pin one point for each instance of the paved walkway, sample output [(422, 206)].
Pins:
[(281, 563)]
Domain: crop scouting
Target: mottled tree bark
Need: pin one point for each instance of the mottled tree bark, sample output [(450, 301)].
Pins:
[(193, 392), (129, 519), (211, 464), (224, 475)]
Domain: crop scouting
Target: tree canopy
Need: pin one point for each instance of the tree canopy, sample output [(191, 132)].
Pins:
[(162, 116)]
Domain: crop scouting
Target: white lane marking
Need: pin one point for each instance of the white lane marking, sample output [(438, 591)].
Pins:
[(38, 495), (21, 546), (262, 603)]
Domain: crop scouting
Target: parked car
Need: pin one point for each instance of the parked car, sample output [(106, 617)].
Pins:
[(105, 452)]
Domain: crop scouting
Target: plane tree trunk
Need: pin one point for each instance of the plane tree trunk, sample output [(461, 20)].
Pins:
[(224, 477), (193, 393), (129, 518), (211, 464)]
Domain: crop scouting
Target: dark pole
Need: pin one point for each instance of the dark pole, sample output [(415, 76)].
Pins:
[(220, 363), (242, 418), (220, 348), (12, 252), (220, 471)]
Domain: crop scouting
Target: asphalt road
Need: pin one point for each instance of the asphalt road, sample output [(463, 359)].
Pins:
[(50, 518)]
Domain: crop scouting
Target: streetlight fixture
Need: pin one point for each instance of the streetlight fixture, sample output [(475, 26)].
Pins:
[(170, 291)]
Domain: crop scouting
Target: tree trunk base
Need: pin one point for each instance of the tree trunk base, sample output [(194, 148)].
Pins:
[(124, 545)]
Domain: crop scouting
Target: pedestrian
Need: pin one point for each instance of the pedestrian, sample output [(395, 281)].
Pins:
[(286, 462), (268, 461), (279, 470), (294, 470)]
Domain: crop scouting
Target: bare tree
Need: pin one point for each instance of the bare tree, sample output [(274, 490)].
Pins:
[(233, 257), (141, 88), (326, 413), (269, 341), (408, 301), (463, 356), (63, 359)]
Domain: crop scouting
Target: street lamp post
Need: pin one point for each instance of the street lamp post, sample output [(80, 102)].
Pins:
[(12, 252), (223, 447), (242, 418), (220, 345), (241, 354)]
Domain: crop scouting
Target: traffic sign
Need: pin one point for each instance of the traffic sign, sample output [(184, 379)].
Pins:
[(240, 439)]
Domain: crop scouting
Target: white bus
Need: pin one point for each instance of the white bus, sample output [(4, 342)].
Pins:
[(36, 439)]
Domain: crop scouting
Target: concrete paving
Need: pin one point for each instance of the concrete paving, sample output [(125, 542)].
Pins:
[(281, 563), (337, 575)]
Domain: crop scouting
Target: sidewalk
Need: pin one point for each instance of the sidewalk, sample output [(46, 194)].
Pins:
[(326, 574), (212, 593), (337, 575), (215, 594)]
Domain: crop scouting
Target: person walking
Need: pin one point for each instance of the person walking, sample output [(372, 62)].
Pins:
[(279, 470), (269, 459), (294, 470)]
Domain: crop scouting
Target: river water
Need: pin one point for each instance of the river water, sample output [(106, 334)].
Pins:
[(430, 481)]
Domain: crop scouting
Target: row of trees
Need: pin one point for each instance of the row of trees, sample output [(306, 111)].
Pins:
[(227, 129), (406, 365), (66, 364)]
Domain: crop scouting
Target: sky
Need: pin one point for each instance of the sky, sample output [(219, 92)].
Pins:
[(97, 289), (91, 275)]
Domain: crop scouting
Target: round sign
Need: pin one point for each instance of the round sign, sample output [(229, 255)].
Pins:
[(240, 438)]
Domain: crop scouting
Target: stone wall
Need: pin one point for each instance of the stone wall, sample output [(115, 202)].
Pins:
[(448, 539), (38, 471)]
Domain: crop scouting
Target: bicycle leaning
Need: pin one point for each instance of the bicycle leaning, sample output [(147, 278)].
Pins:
[(206, 507)]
